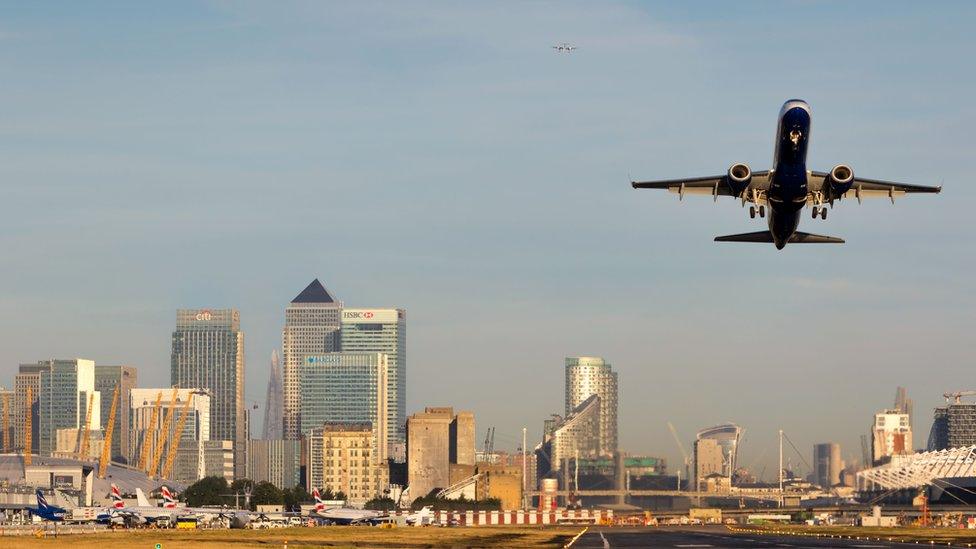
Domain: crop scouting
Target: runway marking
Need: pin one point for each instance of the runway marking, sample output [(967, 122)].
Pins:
[(693, 545), (606, 544), (572, 541), (869, 546)]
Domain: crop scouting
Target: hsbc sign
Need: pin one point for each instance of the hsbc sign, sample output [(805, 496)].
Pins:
[(365, 316)]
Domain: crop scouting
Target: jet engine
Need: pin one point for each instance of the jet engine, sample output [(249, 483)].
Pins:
[(739, 177), (839, 180)]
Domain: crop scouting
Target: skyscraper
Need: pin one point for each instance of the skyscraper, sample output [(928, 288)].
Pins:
[(208, 353), (709, 460), (273, 409), (727, 436), (576, 435), (107, 378), (311, 328), (891, 435), (827, 464), (382, 331), (28, 377), (345, 388), (67, 388), (905, 405), (587, 376)]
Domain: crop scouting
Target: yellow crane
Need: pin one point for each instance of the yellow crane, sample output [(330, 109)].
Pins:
[(158, 449), (6, 422), (86, 429), (153, 419), (107, 442), (28, 443), (174, 446)]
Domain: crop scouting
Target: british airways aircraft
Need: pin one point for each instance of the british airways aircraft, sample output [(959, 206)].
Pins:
[(788, 187)]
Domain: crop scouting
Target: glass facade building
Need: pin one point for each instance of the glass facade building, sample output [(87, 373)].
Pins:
[(66, 389), (587, 376)]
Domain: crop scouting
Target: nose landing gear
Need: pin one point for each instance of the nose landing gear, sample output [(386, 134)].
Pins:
[(819, 211), (753, 211)]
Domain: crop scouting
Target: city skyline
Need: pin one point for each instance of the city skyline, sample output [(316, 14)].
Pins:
[(473, 177)]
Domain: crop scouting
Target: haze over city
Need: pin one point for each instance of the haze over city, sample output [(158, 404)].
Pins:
[(446, 161)]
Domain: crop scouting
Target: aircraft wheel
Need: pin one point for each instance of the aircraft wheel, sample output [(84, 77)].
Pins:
[(823, 213), (815, 211), (752, 212), (762, 211)]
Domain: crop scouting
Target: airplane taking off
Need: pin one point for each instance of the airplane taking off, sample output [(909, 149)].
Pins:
[(788, 187), (564, 47)]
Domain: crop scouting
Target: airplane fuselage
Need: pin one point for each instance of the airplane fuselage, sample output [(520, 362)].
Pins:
[(787, 192)]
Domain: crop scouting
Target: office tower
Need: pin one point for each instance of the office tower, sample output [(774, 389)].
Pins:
[(939, 433), (146, 423), (208, 354), (827, 464), (345, 388), (954, 425), (382, 331), (345, 461), (273, 405), (311, 328), (727, 435), (891, 435), (576, 435), (435, 437), (905, 405), (586, 376), (28, 377), (212, 458), (709, 460), (66, 390), (275, 461), (7, 402), (107, 378)]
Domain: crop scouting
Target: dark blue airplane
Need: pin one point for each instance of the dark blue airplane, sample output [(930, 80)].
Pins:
[(46, 511), (788, 187)]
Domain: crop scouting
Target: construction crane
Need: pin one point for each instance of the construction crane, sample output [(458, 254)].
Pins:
[(174, 446), (158, 450), (153, 418), (684, 454), (85, 430), (489, 443), (109, 431), (957, 396), (6, 422), (28, 427)]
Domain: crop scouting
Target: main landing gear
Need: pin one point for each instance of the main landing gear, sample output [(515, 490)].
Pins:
[(752, 212), (819, 210)]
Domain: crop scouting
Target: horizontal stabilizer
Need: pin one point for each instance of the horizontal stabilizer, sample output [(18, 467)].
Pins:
[(766, 236)]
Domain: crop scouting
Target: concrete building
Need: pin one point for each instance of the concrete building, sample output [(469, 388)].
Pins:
[(275, 461), (342, 458), (437, 438), (311, 328), (382, 331), (67, 388), (891, 435), (575, 436), (107, 378), (195, 434), (587, 376), (68, 441), (727, 436), (346, 388), (28, 380), (827, 464), (709, 461), (208, 353)]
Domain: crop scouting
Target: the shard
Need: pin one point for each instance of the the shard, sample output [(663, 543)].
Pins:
[(273, 409)]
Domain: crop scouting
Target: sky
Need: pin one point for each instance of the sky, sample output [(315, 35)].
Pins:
[(443, 158)]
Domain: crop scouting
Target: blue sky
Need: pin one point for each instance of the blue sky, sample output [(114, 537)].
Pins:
[(443, 158)]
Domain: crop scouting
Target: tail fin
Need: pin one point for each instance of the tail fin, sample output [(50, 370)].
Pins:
[(319, 504), (41, 501), (168, 498), (117, 497), (141, 498)]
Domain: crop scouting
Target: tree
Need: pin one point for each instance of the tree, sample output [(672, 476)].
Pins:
[(206, 491), (380, 504), (265, 493), (295, 497)]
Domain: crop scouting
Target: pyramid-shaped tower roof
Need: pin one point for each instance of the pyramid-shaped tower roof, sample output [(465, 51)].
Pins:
[(314, 293)]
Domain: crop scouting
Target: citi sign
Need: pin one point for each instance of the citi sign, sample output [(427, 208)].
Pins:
[(357, 314), (204, 315)]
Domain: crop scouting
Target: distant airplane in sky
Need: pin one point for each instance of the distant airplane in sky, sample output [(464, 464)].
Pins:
[(564, 47), (788, 187)]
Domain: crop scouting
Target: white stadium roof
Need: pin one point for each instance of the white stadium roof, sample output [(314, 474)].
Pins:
[(921, 469)]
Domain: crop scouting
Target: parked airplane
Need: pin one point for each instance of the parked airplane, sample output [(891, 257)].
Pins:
[(343, 515), (46, 511), (788, 187), (423, 517), (139, 514)]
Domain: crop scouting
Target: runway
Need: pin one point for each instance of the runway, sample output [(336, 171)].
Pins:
[(710, 537)]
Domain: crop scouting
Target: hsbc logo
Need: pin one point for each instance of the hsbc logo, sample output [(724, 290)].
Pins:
[(366, 315)]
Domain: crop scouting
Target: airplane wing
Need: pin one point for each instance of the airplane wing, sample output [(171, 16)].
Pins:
[(873, 188), (716, 185)]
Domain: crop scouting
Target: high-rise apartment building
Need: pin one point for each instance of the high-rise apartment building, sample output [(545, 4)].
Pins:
[(67, 388), (208, 353), (436, 439), (346, 461), (273, 402), (28, 381), (382, 331), (727, 436), (311, 328), (827, 464), (586, 376), (954, 426), (891, 435), (576, 435), (345, 388), (107, 379), (709, 460)]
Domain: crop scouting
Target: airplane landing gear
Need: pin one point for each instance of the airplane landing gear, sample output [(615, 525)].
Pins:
[(823, 213), (752, 212), (762, 211), (815, 212)]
